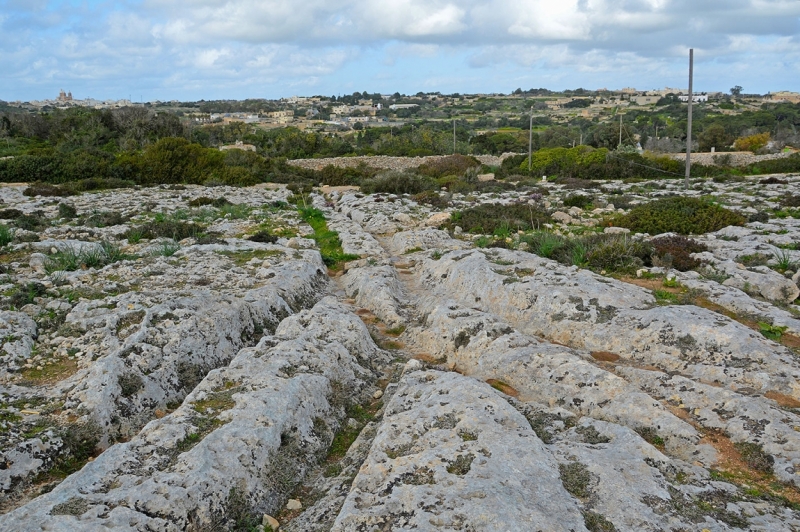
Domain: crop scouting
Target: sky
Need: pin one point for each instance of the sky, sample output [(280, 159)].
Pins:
[(189, 50)]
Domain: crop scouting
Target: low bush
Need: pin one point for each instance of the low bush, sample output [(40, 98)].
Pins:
[(575, 183), (96, 183), (772, 180), (65, 210), (167, 228), (72, 258), (619, 253), (263, 236), (791, 200), (760, 216), (681, 215), (47, 190), (456, 165), (25, 294), (6, 235), (10, 214), (488, 218), (202, 201), (398, 183), (578, 200), (105, 219), (31, 222), (755, 456), (613, 253), (432, 198), (674, 252)]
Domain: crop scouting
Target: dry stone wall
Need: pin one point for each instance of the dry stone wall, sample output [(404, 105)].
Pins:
[(735, 158), (386, 162)]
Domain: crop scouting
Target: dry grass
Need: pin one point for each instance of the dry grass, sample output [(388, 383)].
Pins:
[(605, 356), (732, 467), (57, 371), (503, 387)]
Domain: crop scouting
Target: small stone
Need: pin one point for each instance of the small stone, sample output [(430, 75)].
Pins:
[(378, 394), (269, 521), (294, 504), (616, 230)]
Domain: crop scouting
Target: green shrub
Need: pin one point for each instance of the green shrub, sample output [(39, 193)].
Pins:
[(755, 457), (202, 201), (488, 218), (619, 253), (6, 235), (595, 522), (105, 219), (47, 190), (10, 214), (25, 294), (456, 165), (674, 252), (432, 198), (263, 236), (165, 228), (65, 210), (578, 200), (96, 183), (681, 215), (791, 200), (398, 183), (165, 248), (72, 258), (576, 479), (31, 222), (613, 253)]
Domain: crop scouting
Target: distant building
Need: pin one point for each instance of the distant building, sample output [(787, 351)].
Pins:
[(783, 96), (396, 106), (64, 96), (702, 97), (645, 99)]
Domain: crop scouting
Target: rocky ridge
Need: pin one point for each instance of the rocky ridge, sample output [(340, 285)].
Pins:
[(432, 384)]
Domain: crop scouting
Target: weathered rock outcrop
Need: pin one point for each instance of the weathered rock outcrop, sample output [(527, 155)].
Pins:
[(248, 430), (583, 310), (452, 454)]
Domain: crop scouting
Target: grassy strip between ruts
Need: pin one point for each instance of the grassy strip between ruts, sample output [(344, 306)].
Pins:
[(330, 247)]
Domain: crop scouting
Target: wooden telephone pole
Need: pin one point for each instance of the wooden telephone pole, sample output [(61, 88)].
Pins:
[(530, 142), (689, 124)]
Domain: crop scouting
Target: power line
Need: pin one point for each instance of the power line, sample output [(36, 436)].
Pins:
[(643, 165)]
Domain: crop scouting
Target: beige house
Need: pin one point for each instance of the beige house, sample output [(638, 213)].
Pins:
[(645, 99), (783, 96)]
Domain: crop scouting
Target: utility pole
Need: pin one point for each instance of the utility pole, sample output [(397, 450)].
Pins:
[(689, 124), (530, 142), (620, 132), (454, 136)]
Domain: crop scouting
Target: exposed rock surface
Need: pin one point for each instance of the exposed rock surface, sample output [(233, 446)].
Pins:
[(253, 426), (451, 454), (199, 368)]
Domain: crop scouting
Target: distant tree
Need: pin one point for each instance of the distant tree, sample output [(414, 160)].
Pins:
[(714, 137), (736, 90), (752, 143), (578, 103)]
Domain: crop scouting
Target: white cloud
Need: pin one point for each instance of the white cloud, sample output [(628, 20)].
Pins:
[(215, 43)]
